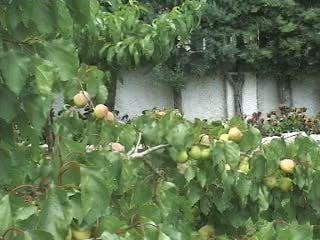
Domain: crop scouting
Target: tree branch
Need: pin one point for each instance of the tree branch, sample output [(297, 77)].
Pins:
[(135, 150), (137, 155)]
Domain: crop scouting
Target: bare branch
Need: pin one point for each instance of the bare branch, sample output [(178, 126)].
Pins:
[(135, 149), (138, 155)]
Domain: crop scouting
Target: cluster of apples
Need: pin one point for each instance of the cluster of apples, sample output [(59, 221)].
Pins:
[(287, 166), (199, 151), (100, 111)]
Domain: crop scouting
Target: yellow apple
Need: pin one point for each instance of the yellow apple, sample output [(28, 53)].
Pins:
[(287, 165), (101, 111), (81, 99), (235, 134)]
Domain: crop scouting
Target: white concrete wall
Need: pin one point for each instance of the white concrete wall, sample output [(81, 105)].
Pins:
[(306, 93), (204, 98), (268, 99), (210, 97), (139, 92)]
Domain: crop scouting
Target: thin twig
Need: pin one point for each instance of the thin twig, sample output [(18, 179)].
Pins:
[(11, 230), (22, 186)]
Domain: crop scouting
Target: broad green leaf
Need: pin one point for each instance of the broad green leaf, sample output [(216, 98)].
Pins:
[(64, 56), (96, 190), (8, 104), (6, 218), (56, 214), (295, 232), (181, 136), (16, 69), (36, 235), (45, 76)]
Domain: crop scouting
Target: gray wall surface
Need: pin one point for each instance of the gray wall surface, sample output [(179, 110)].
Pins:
[(211, 97), (139, 92)]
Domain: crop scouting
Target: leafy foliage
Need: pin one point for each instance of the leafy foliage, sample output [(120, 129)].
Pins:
[(271, 37)]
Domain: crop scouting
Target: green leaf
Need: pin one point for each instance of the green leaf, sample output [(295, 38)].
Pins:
[(24, 213), (232, 154), (15, 69), (44, 77), (295, 232), (5, 214), (109, 236), (181, 136), (8, 104), (64, 56), (36, 235), (96, 189), (56, 214)]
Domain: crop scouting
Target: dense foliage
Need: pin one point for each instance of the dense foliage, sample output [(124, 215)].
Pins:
[(280, 38)]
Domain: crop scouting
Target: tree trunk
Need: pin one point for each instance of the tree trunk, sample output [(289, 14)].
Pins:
[(177, 99), (284, 91), (112, 89), (236, 80)]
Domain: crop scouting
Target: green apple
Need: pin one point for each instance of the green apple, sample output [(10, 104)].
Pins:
[(80, 234), (244, 166), (182, 157), (195, 152), (271, 182), (224, 137), (206, 232), (235, 134), (206, 154), (286, 184)]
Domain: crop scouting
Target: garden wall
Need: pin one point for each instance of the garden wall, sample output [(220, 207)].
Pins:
[(211, 97)]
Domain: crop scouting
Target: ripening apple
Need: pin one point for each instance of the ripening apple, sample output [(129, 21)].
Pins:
[(79, 234), (224, 137), (235, 134), (287, 165), (244, 166), (117, 147), (206, 232), (195, 152), (271, 182), (286, 184), (110, 117), (101, 111), (81, 99), (161, 113), (205, 140), (182, 157), (206, 154)]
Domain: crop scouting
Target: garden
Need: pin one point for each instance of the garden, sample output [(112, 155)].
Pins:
[(81, 173)]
